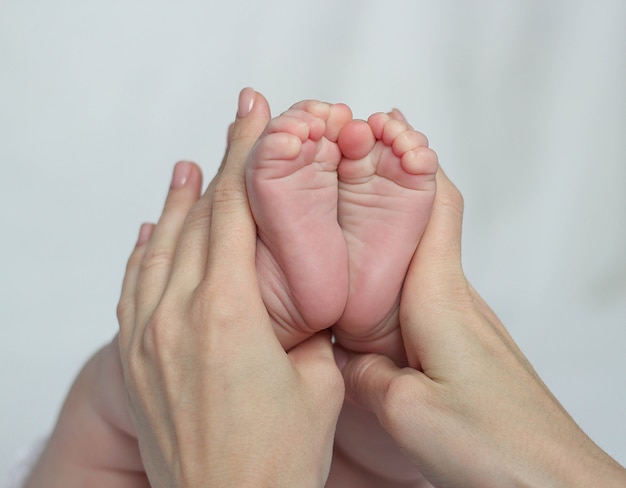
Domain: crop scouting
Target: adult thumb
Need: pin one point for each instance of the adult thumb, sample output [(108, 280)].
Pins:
[(373, 382)]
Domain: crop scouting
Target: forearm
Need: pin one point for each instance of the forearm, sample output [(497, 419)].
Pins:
[(571, 459), (578, 463)]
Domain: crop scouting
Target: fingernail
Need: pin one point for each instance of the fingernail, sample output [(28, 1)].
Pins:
[(145, 231), (181, 174), (246, 102), (341, 357)]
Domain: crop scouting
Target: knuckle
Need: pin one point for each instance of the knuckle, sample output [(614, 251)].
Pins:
[(133, 362), (134, 367), (123, 310), (398, 400), (160, 340), (153, 348), (229, 188), (199, 215), (134, 260), (239, 138), (156, 257), (361, 369), (329, 375)]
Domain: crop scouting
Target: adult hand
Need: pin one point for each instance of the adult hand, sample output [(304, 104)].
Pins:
[(470, 410), (215, 399)]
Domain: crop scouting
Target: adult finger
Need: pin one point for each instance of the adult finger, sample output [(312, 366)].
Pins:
[(438, 256), (157, 261), (190, 263), (435, 281), (374, 383), (191, 252), (232, 236), (441, 242), (315, 359), (126, 303), (436, 284)]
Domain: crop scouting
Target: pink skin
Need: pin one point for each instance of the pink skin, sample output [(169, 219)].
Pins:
[(340, 206), (302, 258), (386, 191)]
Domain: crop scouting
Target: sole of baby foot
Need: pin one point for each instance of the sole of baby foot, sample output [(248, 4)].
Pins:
[(386, 191), (302, 260)]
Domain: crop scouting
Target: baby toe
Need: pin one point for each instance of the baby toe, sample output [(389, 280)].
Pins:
[(420, 161), (338, 116), (407, 140)]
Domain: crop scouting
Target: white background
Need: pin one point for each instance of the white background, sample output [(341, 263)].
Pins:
[(524, 101)]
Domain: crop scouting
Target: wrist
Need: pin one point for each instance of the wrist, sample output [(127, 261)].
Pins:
[(584, 464), (574, 461), (346, 472), (243, 464), (282, 477)]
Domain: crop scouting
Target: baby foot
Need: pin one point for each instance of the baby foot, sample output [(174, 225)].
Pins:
[(302, 260), (386, 191)]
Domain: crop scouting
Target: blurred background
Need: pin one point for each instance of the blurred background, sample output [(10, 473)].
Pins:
[(524, 101)]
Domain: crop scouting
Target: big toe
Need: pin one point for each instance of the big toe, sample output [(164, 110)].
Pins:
[(356, 139)]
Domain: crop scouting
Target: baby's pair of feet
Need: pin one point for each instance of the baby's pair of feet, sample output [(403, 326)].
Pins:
[(340, 206)]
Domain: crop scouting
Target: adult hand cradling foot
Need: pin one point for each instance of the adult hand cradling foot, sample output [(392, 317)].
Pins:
[(470, 410), (214, 397)]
